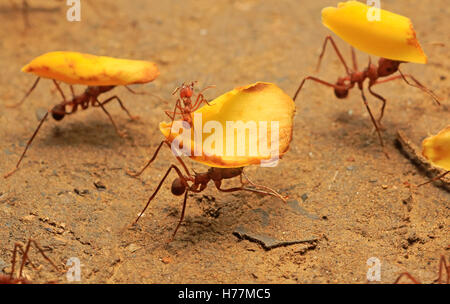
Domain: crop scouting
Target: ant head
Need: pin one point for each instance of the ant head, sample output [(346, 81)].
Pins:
[(178, 188), (58, 112), (341, 93), (387, 67), (186, 90)]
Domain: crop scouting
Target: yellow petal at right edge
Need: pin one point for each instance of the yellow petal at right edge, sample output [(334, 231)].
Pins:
[(392, 37), (437, 149)]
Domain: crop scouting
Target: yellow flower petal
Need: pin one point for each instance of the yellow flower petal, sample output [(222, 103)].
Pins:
[(437, 149), (392, 37), (252, 106), (78, 68)]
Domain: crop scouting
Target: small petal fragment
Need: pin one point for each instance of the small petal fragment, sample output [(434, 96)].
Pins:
[(437, 149)]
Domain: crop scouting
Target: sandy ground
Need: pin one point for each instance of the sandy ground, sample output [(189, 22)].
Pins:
[(343, 191)]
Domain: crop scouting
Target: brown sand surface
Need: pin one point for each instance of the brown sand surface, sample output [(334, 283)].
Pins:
[(342, 189)]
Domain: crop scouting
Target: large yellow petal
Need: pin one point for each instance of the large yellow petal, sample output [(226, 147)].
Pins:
[(392, 37), (253, 105), (86, 69), (437, 149)]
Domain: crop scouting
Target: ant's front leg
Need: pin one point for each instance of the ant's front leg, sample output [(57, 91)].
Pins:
[(101, 105), (26, 95), (374, 122), (133, 174)]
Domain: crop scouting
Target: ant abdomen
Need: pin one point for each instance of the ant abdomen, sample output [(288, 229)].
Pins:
[(58, 112), (178, 188), (341, 93)]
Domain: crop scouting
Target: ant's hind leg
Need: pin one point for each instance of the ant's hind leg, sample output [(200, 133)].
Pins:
[(159, 187), (407, 274), (133, 174), (383, 106), (242, 188), (101, 105), (275, 193), (115, 97), (434, 179), (143, 93), (59, 90), (374, 122)]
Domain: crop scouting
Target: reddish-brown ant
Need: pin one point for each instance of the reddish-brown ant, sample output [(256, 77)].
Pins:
[(199, 182), (442, 266), (386, 67), (88, 98), (10, 279)]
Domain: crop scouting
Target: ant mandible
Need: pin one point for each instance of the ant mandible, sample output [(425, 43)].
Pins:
[(442, 266), (200, 181), (385, 68)]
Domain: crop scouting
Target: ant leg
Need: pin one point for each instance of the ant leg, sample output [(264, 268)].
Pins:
[(154, 157), (143, 93), (121, 105), (374, 122), (219, 183), (181, 217), (329, 38), (419, 85), (121, 133), (28, 145), (25, 256), (26, 95), (60, 90), (148, 163), (25, 9), (159, 187), (383, 100), (434, 179), (72, 91), (316, 80), (355, 62), (407, 274), (275, 193), (13, 259)]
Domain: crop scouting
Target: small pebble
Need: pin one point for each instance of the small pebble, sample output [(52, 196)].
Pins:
[(133, 247), (304, 197), (40, 113)]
